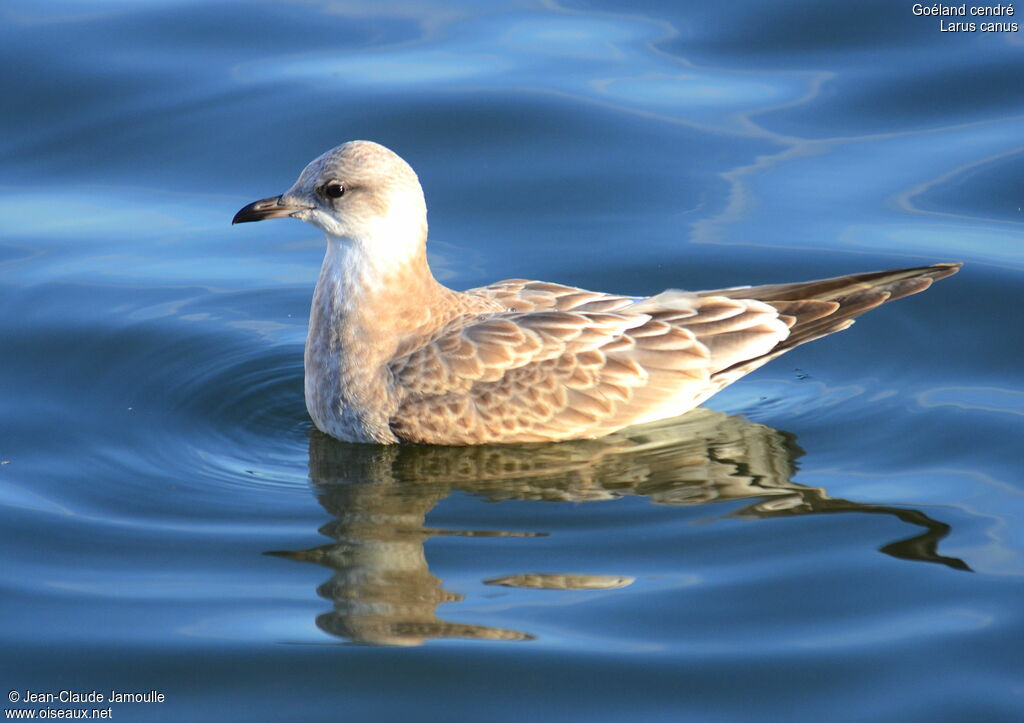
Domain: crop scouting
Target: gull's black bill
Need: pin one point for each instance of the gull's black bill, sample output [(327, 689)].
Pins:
[(263, 209)]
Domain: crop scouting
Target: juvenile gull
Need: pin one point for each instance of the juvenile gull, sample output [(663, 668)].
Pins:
[(394, 356)]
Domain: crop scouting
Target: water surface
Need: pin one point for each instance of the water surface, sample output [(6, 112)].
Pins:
[(839, 534)]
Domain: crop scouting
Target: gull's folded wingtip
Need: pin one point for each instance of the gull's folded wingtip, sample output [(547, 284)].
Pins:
[(945, 269)]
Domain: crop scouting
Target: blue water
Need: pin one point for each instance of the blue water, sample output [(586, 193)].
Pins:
[(841, 536)]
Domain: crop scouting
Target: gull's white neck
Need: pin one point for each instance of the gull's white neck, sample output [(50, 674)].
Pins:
[(352, 270), (360, 274)]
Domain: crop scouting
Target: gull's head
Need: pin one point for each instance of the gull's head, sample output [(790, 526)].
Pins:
[(360, 192)]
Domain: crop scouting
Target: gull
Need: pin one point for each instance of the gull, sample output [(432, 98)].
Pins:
[(394, 356)]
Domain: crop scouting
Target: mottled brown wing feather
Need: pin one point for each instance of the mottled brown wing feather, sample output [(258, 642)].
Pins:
[(546, 375), (523, 295)]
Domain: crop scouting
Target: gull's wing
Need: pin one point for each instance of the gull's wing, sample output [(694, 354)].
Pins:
[(528, 376), (565, 363)]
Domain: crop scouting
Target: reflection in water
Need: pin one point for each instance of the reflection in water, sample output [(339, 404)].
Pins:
[(564, 581), (382, 589)]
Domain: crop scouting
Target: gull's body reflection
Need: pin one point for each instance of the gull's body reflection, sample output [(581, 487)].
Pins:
[(382, 589)]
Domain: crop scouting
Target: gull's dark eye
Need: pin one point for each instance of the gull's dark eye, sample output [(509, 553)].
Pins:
[(334, 189)]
